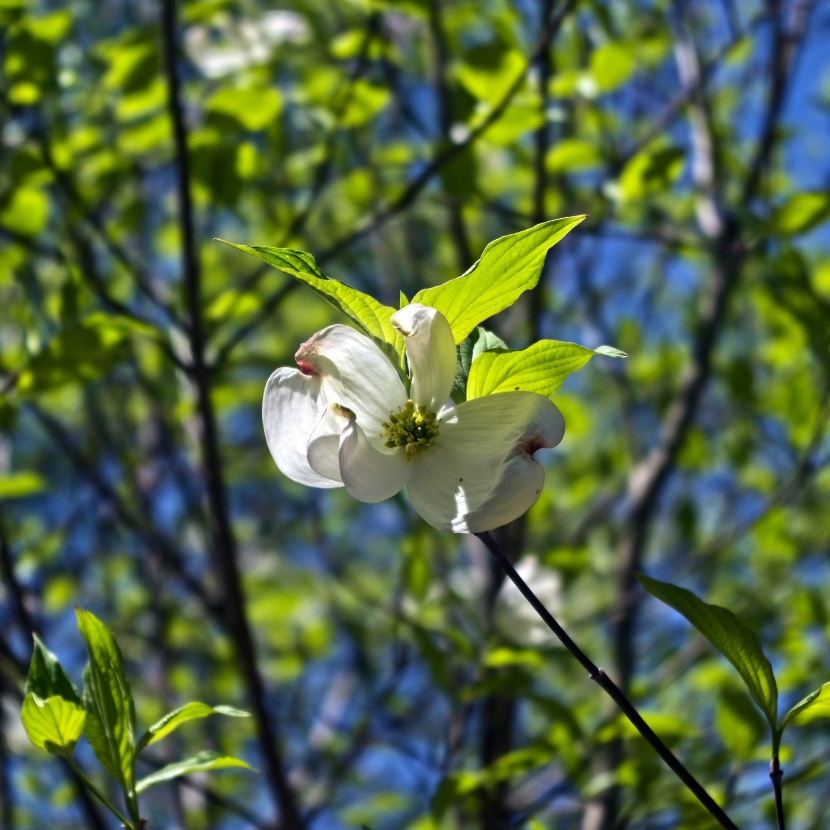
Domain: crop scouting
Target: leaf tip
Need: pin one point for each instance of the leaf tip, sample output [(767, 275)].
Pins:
[(610, 351)]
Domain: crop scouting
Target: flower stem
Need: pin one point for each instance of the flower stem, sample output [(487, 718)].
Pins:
[(100, 796), (604, 681), (776, 774)]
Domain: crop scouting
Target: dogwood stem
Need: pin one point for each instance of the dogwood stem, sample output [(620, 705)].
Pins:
[(125, 822), (776, 774), (604, 681)]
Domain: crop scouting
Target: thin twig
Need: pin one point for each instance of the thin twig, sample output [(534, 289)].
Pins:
[(15, 590), (223, 538), (457, 227), (608, 686), (342, 101), (320, 176), (408, 195), (785, 52), (411, 191), (114, 248), (148, 533)]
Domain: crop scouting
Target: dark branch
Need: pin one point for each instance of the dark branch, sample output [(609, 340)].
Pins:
[(608, 686), (223, 539)]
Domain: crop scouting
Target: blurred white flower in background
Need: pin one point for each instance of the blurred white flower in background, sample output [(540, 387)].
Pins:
[(227, 45), (515, 619)]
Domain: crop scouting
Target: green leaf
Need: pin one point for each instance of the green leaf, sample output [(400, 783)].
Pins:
[(366, 311), (133, 62), (612, 64), (609, 351), (253, 108), (463, 361), (113, 325), (729, 636), (108, 701), (475, 344), (573, 155), (816, 706), (47, 678), (53, 724), (202, 762), (26, 211), (488, 70), (22, 484), (541, 368), (365, 101), (653, 170), (51, 28), (508, 267), (84, 351), (800, 213), (740, 724), (486, 341), (173, 720)]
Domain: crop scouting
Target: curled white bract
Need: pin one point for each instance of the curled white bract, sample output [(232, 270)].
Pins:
[(344, 419)]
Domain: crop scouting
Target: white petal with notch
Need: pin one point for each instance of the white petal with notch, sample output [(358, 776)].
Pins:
[(354, 373), (480, 473)]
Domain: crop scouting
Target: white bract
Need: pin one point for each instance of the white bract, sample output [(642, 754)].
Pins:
[(344, 418), (227, 46)]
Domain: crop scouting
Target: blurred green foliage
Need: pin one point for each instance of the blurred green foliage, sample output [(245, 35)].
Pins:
[(396, 690)]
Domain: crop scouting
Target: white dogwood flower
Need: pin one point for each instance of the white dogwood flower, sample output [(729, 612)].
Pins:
[(344, 418)]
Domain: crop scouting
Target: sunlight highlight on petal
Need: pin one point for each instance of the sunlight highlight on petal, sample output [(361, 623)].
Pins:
[(482, 474)]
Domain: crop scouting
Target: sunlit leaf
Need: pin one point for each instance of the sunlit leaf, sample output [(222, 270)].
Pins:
[(190, 711), (740, 725), (508, 267), (612, 64), (729, 636), (202, 762), (25, 212), (19, 485), (85, 351), (54, 724), (46, 676), (800, 213), (253, 108), (108, 701), (51, 28), (365, 101), (366, 311), (111, 323), (476, 343), (541, 368), (652, 170), (572, 155), (668, 725), (489, 70), (133, 62), (814, 707)]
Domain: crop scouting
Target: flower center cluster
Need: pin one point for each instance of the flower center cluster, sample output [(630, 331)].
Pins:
[(412, 427)]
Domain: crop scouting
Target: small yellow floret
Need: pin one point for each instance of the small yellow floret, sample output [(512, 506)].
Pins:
[(412, 427)]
